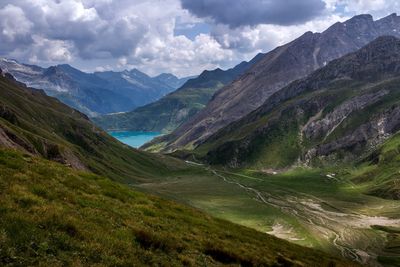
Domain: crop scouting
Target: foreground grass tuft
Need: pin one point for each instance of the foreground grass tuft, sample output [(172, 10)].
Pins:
[(51, 215)]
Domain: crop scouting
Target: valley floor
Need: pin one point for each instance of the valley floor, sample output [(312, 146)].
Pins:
[(52, 215), (314, 208)]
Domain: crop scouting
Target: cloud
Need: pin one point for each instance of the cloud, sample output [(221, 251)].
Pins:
[(377, 8), (253, 12), (14, 28), (265, 37), (179, 36), (116, 34)]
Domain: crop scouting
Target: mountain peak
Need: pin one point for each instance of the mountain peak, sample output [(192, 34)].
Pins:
[(380, 57), (278, 68), (65, 66), (135, 70), (361, 17), (166, 76)]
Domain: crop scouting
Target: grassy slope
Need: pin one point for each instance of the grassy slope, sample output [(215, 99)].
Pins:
[(42, 125), (163, 115), (280, 145), (272, 136), (303, 206), (53, 215), (379, 172)]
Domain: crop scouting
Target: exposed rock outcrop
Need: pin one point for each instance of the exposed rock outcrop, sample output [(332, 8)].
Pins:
[(277, 69), (346, 108)]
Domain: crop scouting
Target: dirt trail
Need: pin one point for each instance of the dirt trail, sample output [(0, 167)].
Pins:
[(342, 230)]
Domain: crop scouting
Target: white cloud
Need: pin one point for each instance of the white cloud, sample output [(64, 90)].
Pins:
[(119, 34), (377, 8), (265, 37)]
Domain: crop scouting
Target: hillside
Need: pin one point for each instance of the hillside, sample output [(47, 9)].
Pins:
[(59, 212), (52, 215), (340, 112), (41, 125), (177, 107), (277, 69), (316, 164), (94, 93)]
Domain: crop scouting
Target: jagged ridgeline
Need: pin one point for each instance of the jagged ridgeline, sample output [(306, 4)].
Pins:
[(94, 93), (60, 213), (274, 71), (345, 113), (339, 112)]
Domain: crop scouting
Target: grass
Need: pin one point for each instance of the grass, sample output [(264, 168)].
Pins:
[(42, 125), (163, 115), (288, 190), (53, 215)]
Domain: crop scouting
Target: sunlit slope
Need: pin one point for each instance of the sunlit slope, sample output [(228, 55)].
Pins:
[(38, 124), (339, 113), (54, 215)]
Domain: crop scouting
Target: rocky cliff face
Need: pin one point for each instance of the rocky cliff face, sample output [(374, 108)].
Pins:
[(340, 111), (277, 69)]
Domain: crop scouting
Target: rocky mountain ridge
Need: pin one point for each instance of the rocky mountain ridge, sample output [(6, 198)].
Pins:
[(93, 93), (340, 111), (277, 69)]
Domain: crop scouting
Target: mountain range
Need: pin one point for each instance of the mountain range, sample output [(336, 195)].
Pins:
[(339, 112), (323, 150), (94, 93), (60, 204), (274, 71), (301, 144), (177, 107)]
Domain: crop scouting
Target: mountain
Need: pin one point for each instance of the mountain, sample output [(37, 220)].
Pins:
[(277, 69), (56, 211), (92, 93), (338, 113), (177, 107), (171, 80), (41, 125)]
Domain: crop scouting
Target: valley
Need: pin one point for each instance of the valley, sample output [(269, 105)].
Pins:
[(265, 134), (134, 139), (68, 197), (303, 206)]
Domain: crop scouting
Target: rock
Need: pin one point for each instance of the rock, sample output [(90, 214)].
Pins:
[(277, 69)]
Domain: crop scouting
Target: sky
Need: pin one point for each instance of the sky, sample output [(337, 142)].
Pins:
[(183, 37)]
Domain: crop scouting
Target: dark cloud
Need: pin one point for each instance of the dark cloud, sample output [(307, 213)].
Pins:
[(47, 30), (236, 13)]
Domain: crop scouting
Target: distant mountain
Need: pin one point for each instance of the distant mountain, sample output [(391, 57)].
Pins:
[(340, 112), (37, 124), (172, 80), (277, 69), (177, 107), (92, 93)]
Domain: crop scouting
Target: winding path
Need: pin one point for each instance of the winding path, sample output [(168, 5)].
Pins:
[(308, 210)]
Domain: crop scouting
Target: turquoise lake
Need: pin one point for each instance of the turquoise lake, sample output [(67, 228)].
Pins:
[(134, 139)]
